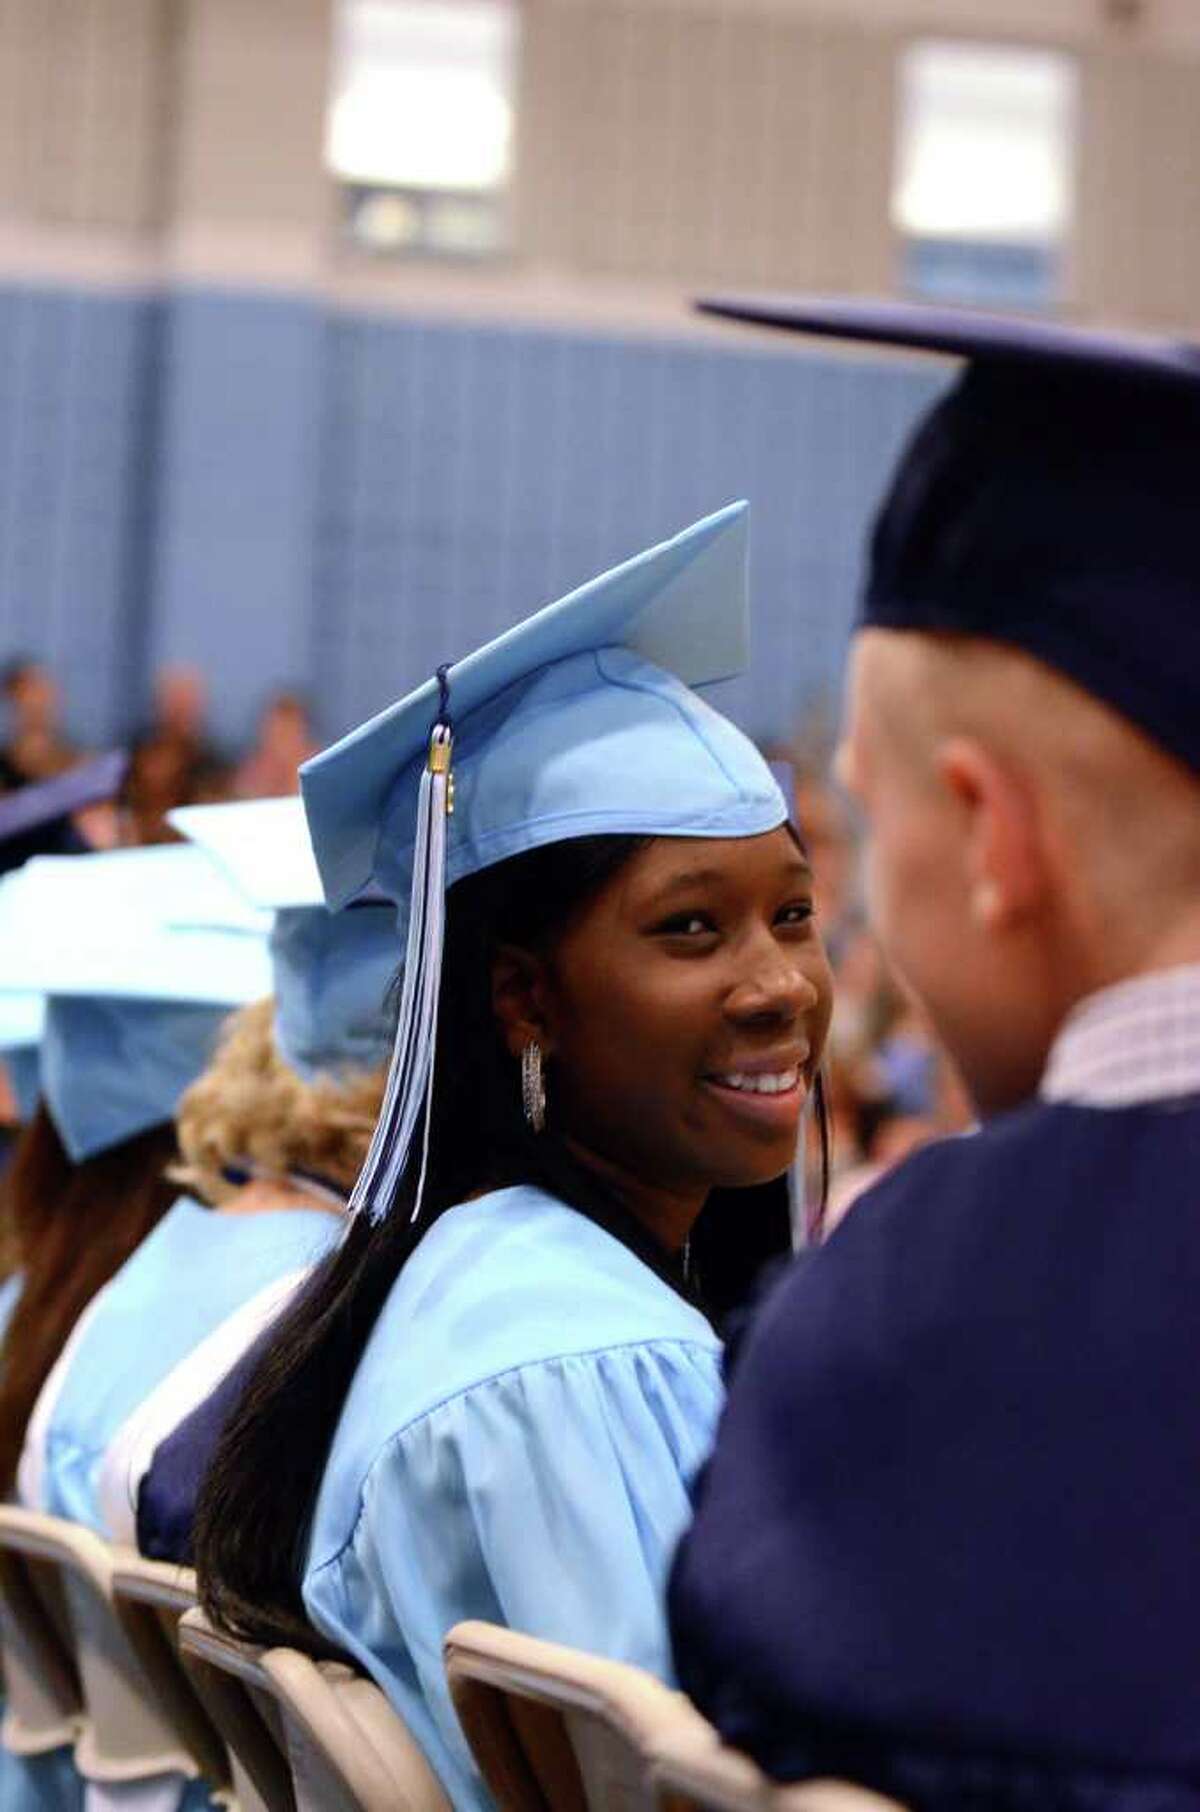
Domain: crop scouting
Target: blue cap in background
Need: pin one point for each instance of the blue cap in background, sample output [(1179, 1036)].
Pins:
[(22, 1017), (134, 1000), (331, 972)]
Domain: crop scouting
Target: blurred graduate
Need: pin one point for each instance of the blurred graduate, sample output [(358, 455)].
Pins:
[(65, 814), (126, 1022), (132, 1007), (135, 1034), (278, 1126), (141, 955)]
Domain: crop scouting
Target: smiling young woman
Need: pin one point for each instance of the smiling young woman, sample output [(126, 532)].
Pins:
[(491, 1400), (702, 958)]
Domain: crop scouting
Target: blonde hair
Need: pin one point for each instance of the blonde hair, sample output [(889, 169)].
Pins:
[(248, 1107)]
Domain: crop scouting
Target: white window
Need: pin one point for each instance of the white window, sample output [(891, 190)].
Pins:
[(420, 124), (985, 171)]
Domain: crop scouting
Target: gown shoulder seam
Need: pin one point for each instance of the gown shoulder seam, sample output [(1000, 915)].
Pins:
[(672, 1342)]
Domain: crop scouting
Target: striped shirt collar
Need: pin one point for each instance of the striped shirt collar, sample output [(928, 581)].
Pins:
[(1135, 1042)]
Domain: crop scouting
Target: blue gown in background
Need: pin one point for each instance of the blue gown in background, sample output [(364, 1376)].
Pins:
[(10, 1290), (185, 1278), (36, 1783), (517, 1445)]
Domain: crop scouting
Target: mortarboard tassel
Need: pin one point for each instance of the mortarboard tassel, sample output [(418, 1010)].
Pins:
[(408, 1096)]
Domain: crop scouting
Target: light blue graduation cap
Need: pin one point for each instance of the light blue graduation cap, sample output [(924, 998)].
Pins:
[(262, 847), (332, 972), (578, 722), (136, 988), (133, 895), (22, 1017)]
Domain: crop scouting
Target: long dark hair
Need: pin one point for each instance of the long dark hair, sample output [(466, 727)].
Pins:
[(255, 1505), (71, 1227)]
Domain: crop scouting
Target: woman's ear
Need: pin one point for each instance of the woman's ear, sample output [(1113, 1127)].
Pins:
[(519, 998)]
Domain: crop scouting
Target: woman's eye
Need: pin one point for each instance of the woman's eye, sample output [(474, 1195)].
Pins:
[(686, 924), (799, 912)]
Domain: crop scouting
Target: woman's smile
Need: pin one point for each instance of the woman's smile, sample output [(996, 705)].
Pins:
[(769, 1090), (770, 1098)]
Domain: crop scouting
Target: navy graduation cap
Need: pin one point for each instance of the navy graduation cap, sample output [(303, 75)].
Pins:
[(1047, 501), (969, 333), (35, 820)]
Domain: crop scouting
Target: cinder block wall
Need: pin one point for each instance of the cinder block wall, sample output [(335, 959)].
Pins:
[(283, 492), (662, 143), (222, 441)]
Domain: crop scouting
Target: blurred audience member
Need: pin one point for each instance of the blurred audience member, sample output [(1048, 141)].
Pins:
[(827, 826), (283, 740), (34, 747), (891, 1087), (173, 762)]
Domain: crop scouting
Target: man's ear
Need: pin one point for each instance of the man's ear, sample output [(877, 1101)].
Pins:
[(520, 989), (1004, 861)]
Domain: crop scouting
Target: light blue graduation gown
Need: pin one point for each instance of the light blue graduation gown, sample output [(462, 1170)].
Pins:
[(516, 1445), (192, 1271), (37, 1783), (42, 1783), (10, 1291)]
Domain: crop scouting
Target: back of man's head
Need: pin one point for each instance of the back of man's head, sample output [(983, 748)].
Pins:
[(1028, 844), (1025, 697), (1024, 722)]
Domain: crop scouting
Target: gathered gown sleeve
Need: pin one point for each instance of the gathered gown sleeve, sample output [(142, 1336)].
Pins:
[(549, 1498)]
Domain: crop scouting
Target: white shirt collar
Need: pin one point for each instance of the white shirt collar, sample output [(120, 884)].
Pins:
[(1136, 1041)]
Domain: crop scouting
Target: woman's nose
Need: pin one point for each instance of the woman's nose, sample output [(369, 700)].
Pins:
[(775, 985)]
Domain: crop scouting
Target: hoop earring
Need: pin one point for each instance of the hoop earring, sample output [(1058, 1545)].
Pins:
[(533, 1085)]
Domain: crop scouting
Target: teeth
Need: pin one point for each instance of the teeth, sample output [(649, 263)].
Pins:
[(777, 1084)]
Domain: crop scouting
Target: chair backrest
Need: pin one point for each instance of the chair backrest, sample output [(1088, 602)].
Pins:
[(349, 1750), (695, 1772), (123, 1736), (150, 1597), (313, 1735), (236, 1693), (556, 1730), (43, 1707)]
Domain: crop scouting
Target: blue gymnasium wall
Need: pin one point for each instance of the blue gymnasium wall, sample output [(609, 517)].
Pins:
[(289, 495), (78, 377)]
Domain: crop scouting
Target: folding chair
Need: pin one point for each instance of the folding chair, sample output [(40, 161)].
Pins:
[(695, 1772), (43, 1703), (312, 1736), (555, 1730), (150, 1597), (119, 1733)]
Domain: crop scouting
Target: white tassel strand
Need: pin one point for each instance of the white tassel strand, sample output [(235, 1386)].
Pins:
[(409, 1093)]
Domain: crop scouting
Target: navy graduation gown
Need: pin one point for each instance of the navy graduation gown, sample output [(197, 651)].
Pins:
[(949, 1541), (167, 1494)]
